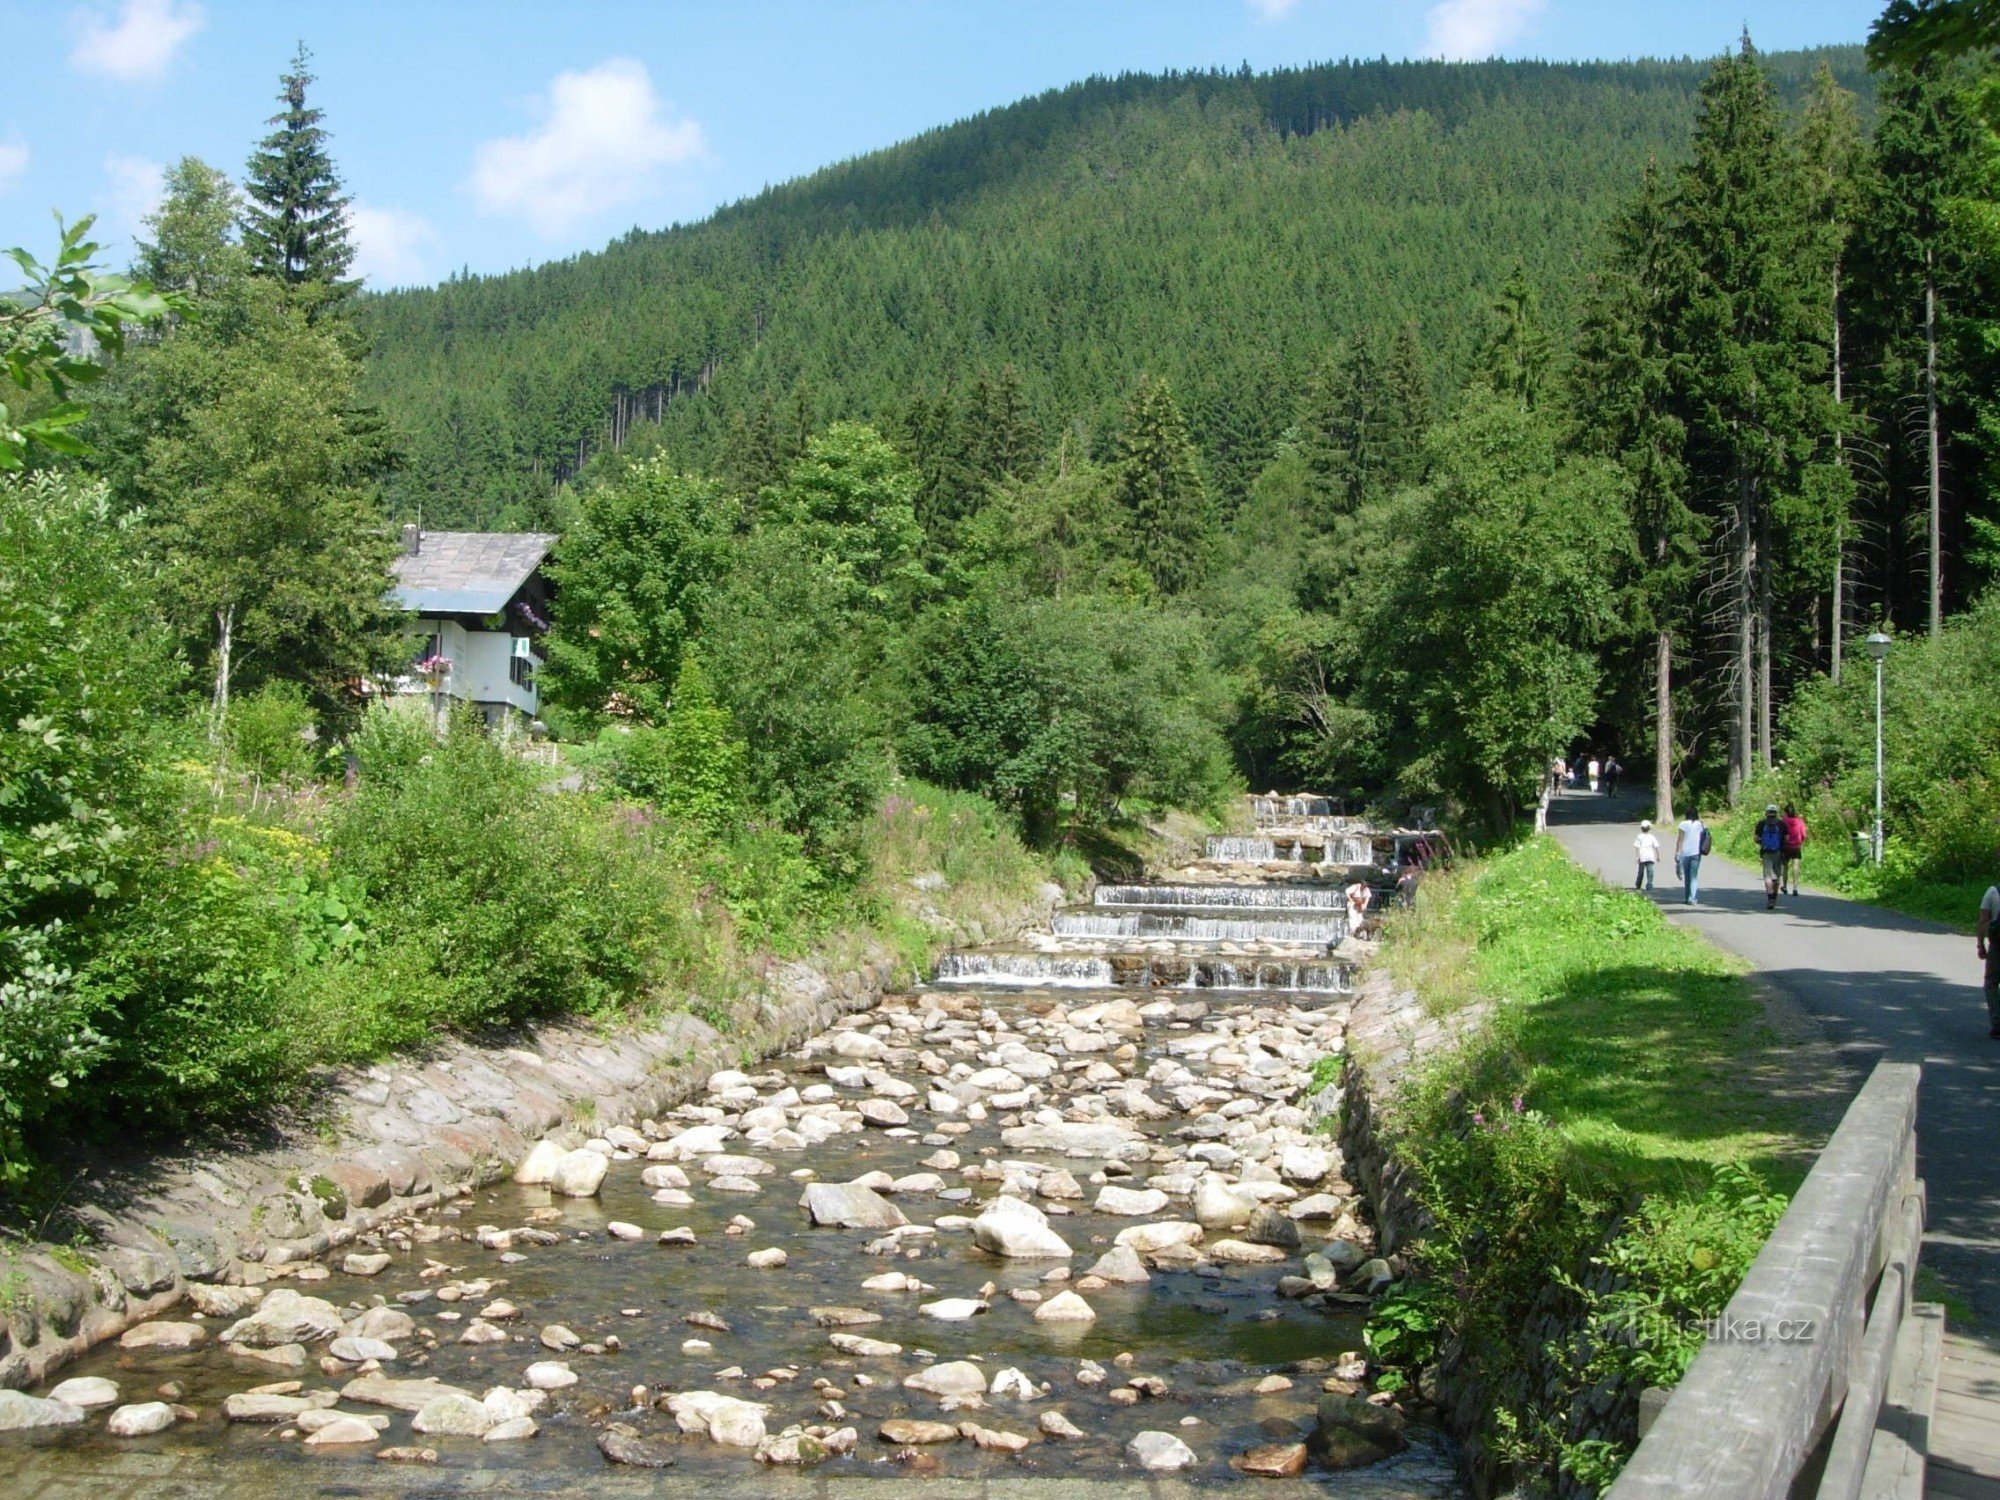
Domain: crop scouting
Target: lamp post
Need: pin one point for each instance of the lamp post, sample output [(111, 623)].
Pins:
[(1878, 647)]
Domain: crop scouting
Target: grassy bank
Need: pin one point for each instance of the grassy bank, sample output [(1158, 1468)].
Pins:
[(1606, 1151)]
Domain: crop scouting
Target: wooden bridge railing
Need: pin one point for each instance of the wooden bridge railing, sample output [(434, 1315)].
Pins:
[(1819, 1378)]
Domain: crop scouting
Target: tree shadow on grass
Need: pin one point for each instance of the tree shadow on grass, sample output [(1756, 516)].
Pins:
[(1658, 1074)]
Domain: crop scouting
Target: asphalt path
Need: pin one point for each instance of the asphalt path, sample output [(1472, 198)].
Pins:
[(1882, 985)]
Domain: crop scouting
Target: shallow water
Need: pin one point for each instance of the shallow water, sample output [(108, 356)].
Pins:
[(1211, 1334)]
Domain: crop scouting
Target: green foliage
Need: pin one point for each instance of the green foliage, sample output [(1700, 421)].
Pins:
[(273, 734), (192, 249), (850, 498), (633, 572), (1487, 642), (1060, 707), (40, 347), (1161, 491), (295, 225), (1607, 1114)]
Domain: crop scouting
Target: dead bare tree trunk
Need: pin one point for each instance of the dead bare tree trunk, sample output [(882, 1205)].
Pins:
[(1743, 605), (1663, 728), (1838, 612), (225, 644), (1934, 456)]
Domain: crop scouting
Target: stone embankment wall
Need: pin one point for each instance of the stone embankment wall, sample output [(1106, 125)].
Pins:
[(1389, 1036), (396, 1137)]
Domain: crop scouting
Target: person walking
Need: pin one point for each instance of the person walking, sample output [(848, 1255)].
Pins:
[(1691, 842), (1647, 846), (1794, 848), (1611, 772), (1771, 852), (1989, 953), (1592, 770)]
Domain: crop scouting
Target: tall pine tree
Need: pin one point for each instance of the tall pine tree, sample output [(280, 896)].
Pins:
[(1161, 489), (295, 224)]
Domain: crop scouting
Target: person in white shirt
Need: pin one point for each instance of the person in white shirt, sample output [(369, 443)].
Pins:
[(1647, 846), (1989, 951), (1592, 771), (1690, 844)]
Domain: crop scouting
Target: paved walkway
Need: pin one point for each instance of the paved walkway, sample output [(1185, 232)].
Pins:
[(1883, 986)]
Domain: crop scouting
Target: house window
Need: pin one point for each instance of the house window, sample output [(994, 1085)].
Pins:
[(521, 670), (432, 648)]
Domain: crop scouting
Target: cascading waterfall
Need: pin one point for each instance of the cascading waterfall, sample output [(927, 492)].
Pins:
[(1199, 929), (1351, 850), (1054, 970), (1237, 847), (1225, 897)]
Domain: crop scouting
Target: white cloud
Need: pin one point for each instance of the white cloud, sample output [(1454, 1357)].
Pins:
[(1272, 10), (13, 162), (1468, 30), (605, 141), (137, 43), (137, 185), (392, 246)]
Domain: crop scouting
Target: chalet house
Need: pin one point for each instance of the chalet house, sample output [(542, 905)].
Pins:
[(482, 600)]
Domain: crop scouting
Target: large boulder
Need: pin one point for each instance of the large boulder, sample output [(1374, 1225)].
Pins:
[(1107, 1139), (959, 1377), (1159, 1452), (1221, 1205), (397, 1395), (455, 1415), (724, 1419), (286, 1317), (1349, 1433), (1017, 1230), (1151, 1239), (579, 1174), (848, 1205), (19, 1413)]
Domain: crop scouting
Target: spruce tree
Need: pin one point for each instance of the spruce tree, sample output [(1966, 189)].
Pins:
[(1518, 353), (295, 223), (1161, 491), (1406, 409)]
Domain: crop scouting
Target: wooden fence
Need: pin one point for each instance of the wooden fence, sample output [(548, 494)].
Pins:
[(1819, 1378)]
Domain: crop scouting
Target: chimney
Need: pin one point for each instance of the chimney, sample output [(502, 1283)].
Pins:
[(413, 539)]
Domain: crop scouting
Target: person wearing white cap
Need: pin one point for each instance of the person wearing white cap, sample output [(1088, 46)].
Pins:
[(1647, 846)]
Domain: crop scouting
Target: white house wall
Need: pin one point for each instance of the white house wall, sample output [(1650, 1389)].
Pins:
[(481, 666)]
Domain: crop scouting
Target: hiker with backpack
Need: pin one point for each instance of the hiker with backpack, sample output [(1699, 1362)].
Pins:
[(1771, 851), (1794, 849), (1691, 842)]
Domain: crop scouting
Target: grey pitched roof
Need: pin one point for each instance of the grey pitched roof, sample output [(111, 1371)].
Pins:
[(468, 572)]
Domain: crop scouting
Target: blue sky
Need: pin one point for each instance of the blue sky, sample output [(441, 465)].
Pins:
[(500, 134)]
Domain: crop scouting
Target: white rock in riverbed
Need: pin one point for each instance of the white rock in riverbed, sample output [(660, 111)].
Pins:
[(141, 1420)]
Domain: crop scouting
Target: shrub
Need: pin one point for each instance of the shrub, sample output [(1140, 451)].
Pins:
[(273, 733)]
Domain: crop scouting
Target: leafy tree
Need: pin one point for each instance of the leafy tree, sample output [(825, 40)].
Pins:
[(1489, 634), (851, 497), (694, 766), (274, 552), (631, 577), (1161, 491), (84, 677), (295, 225), (1909, 32), (193, 249), (40, 351), (1060, 533)]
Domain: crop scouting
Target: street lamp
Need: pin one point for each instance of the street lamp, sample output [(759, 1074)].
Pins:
[(1878, 647)]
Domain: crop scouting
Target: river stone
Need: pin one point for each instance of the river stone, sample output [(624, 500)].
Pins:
[(392, 1323), (358, 1264), (1130, 1202), (1317, 1206), (397, 1395), (538, 1167), (1305, 1165), (248, 1406), (549, 1375), (223, 1301), (279, 1357), (1059, 1185), (1055, 1424), (993, 1439), (957, 1378), (86, 1391), (1243, 1253), (772, 1259), (1349, 1433), (1152, 1239), (1121, 1265), (286, 1317), (1065, 1307), (1269, 1227), (640, 1453), (19, 1412), (326, 1416), (171, 1337), (909, 1432), (882, 1113), (1218, 1205), (559, 1338), (725, 1419), (1102, 1138), (691, 1144), (579, 1174), (618, 1229), (141, 1420), (357, 1351), (793, 1448), (953, 1309), (344, 1432), (1159, 1452), (1372, 1276), (1018, 1230), (844, 1317), (1272, 1461), (858, 1046), (453, 1416), (862, 1346), (846, 1205)]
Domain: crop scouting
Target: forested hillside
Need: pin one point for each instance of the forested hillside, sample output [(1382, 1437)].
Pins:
[(1223, 231)]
